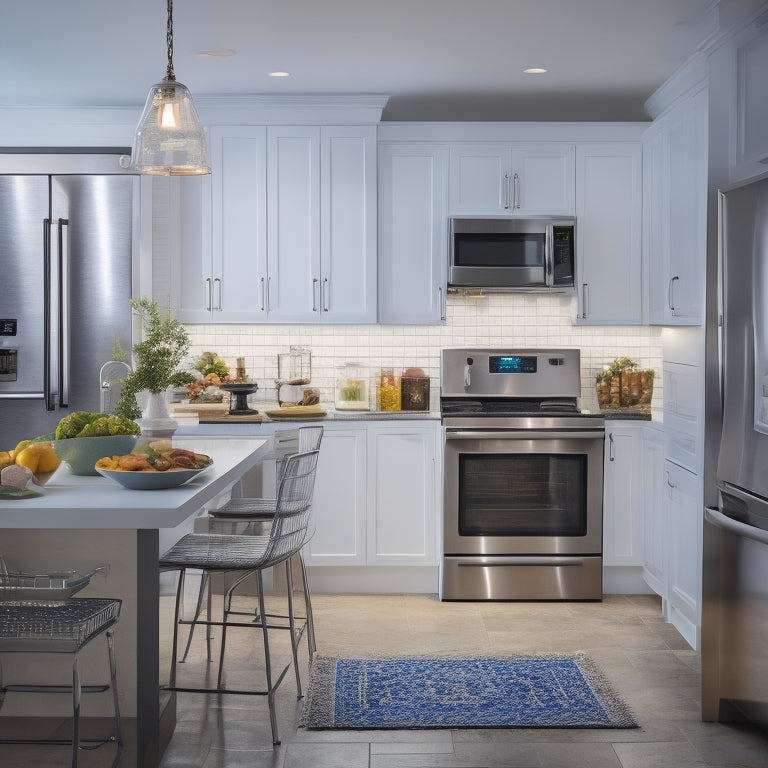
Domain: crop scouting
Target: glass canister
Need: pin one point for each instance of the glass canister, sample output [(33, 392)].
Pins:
[(388, 391), (352, 387)]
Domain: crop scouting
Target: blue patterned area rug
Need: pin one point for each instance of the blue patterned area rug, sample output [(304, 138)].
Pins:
[(424, 692)]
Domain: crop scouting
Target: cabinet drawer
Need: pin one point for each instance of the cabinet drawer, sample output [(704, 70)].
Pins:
[(682, 396), (682, 447)]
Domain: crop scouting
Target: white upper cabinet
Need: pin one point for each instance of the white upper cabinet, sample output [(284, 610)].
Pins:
[(608, 233), (292, 233), (321, 207), (222, 232), (510, 179), (412, 233), (749, 109), (676, 206)]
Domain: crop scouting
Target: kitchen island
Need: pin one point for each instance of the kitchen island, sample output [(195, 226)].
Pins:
[(81, 522)]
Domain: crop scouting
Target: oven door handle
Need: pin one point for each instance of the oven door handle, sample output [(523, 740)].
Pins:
[(501, 560), (522, 434)]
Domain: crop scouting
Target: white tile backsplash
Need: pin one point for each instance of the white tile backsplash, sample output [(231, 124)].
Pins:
[(503, 320)]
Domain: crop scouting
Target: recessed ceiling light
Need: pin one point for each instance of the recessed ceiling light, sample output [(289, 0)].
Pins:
[(279, 74), (534, 71), (218, 53)]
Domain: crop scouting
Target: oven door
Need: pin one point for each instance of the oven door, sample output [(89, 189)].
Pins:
[(523, 492)]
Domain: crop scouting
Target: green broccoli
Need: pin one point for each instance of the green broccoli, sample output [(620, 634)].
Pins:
[(71, 425), (120, 425), (86, 424), (97, 428)]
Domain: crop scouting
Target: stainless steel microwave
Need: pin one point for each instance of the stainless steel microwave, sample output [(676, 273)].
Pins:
[(509, 254)]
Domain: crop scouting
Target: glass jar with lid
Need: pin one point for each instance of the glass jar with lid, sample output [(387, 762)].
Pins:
[(388, 390), (352, 387)]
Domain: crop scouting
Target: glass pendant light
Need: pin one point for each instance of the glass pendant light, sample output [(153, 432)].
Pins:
[(169, 139)]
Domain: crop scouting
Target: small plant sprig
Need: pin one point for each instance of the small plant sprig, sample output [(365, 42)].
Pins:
[(163, 346)]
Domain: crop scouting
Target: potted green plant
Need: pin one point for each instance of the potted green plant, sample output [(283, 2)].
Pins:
[(157, 357)]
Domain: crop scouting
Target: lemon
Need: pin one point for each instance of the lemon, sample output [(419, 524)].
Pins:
[(39, 457), (19, 448), (5, 459)]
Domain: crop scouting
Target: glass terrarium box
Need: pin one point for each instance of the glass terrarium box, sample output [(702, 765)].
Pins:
[(352, 387)]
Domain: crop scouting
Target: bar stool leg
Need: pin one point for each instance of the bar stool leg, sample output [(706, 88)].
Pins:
[(310, 618), (115, 698), (292, 626), (176, 617), (267, 660), (75, 711)]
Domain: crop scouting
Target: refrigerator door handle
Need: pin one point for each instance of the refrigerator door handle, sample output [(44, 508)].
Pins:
[(50, 403), (717, 518), (63, 316)]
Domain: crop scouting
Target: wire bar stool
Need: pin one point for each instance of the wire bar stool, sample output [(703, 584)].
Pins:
[(245, 555), (62, 627), (256, 514)]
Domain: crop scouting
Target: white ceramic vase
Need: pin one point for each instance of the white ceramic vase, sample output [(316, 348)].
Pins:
[(156, 422)]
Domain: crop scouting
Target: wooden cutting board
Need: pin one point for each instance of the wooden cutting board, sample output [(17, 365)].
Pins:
[(296, 413), (228, 418)]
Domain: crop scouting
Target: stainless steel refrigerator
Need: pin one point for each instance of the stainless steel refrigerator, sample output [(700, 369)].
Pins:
[(67, 236), (735, 573)]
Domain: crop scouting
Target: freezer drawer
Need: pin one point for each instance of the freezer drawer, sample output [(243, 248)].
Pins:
[(734, 661), (522, 578)]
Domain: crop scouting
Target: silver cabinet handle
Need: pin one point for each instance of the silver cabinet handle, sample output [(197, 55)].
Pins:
[(670, 292), (208, 294), (506, 191), (269, 293), (611, 448), (442, 303), (516, 196), (669, 482), (315, 283), (64, 312), (325, 296), (263, 293), (217, 285), (50, 403), (584, 300)]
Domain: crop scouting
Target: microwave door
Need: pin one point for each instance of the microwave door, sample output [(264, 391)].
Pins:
[(499, 259)]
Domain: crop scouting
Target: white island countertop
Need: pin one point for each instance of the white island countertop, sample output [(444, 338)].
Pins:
[(94, 502)]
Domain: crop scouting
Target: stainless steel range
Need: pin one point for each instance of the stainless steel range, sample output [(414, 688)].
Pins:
[(523, 477)]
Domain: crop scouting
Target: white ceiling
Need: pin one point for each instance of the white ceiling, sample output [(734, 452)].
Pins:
[(435, 59)]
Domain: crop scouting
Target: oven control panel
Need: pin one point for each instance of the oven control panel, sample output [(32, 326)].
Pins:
[(534, 373)]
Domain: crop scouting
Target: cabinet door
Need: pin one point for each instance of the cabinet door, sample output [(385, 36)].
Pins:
[(412, 234), (684, 513), (749, 112), (608, 234), (238, 289), (480, 180), (192, 261), (402, 526), (654, 517), (347, 289), (623, 492), (676, 207), (529, 180), (339, 500), (293, 227), (543, 180)]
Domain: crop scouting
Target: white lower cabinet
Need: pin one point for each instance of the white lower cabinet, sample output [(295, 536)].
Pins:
[(684, 520), (375, 500), (340, 500), (623, 494), (655, 533)]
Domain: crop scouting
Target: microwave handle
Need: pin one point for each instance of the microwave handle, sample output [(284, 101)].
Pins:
[(549, 258)]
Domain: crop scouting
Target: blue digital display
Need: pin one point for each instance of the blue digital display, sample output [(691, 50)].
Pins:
[(512, 364)]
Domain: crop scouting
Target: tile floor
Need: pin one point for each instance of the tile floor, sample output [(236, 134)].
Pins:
[(645, 658)]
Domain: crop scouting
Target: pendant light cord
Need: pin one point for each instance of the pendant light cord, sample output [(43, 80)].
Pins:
[(170, 76)]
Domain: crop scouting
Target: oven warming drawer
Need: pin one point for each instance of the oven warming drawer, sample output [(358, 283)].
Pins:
[(522, 578)]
